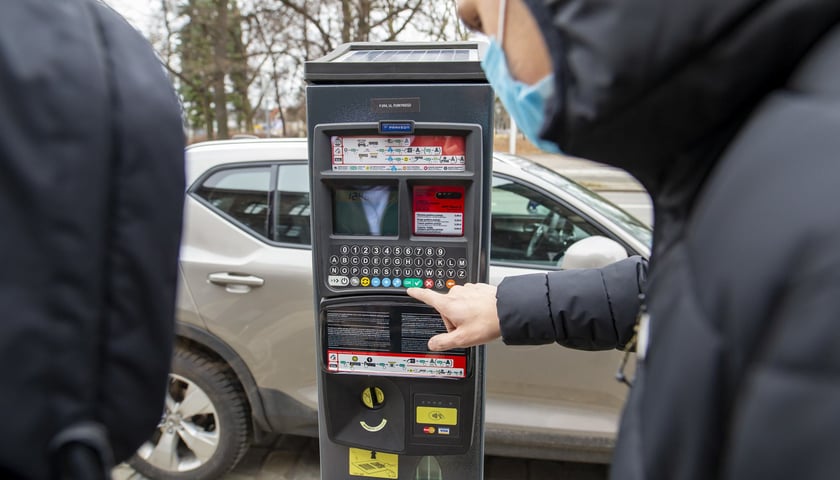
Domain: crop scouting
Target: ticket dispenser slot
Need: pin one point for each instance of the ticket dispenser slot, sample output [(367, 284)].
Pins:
[(400, 170)]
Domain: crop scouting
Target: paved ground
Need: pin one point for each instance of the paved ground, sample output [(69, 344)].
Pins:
[(296, 458)]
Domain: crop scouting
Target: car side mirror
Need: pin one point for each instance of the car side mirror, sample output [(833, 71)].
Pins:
[(592, 252)]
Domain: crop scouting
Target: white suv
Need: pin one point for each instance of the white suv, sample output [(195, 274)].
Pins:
[(245, 355)]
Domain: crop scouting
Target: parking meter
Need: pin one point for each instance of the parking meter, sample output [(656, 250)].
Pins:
[(400, 148)]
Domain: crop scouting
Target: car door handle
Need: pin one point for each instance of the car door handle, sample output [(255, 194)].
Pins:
[(224, 278)]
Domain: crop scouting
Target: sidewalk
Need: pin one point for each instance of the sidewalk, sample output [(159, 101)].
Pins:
[(296, 458)]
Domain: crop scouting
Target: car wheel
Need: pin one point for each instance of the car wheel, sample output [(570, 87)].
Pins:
[(204, 430)]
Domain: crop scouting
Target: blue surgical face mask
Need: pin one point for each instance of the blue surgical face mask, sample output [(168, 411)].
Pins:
[(525, 103)]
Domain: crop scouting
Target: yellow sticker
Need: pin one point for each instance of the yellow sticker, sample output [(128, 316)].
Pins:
[(437, 415), (365, 463)]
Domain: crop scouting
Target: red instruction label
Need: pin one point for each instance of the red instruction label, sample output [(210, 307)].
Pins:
[(396, 364), (439, 210)]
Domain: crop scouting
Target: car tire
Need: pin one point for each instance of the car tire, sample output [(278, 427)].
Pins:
[(204, 430)]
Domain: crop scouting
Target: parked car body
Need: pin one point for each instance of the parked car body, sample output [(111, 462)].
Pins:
[(245, 358)]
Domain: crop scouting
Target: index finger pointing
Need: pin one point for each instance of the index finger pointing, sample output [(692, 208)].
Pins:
[(425, 295)]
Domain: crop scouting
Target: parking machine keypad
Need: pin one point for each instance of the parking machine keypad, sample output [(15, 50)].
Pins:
[(388, 266)]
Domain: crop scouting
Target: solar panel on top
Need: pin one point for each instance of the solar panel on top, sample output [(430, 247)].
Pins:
[(399, 55)]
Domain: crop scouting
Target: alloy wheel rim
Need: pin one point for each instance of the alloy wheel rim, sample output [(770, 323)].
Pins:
[(188, 433)]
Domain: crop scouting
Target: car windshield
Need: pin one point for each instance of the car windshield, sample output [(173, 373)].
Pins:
[(622, 219)]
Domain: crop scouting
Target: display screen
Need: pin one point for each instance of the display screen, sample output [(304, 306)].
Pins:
[(438, 210), (365, 210), (398, 153)]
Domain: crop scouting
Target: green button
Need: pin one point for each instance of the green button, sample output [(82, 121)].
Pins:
[(412, 283)]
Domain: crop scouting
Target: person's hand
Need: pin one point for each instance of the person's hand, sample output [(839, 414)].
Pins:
[(469, 313)]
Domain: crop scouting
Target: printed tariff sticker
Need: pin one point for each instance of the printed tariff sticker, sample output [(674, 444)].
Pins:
[(439, 210), (365, 463)]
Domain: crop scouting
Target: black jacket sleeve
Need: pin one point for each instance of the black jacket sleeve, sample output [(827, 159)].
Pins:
[(144, 225), (590, 309)]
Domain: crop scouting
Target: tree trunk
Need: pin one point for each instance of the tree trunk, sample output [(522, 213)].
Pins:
[(363, 33), (347, 21), (220, 62)]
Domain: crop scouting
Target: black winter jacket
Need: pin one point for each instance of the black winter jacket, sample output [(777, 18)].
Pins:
[(91, 192), (728, 111)]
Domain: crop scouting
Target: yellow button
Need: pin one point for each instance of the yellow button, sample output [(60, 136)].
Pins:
[(373, 397), (437, 415), (365, 281)]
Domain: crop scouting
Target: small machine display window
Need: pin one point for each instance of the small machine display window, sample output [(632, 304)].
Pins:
[(365, 210), (398, 153), (438, 210)]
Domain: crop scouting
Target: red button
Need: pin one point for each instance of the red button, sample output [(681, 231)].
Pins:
[(429, 283)]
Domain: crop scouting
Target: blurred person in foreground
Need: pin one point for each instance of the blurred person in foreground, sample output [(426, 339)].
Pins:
[(91, 192), (728, 112)]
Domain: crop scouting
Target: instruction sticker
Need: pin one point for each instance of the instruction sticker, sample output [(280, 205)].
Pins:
[(365, 463), (397, 364), (439, 210), (406, 153)]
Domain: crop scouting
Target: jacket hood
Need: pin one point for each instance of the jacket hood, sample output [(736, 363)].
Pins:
[(643, 83)]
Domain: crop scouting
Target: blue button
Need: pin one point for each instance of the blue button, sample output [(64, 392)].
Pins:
[(375, 282), (386, 282), (397, 282)]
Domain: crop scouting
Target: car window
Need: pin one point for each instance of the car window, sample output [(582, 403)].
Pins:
[(530, 228), (292, 221), (242, 193), (620, 218)]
